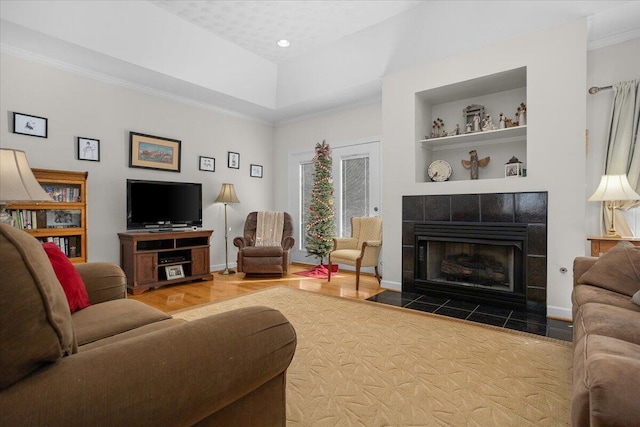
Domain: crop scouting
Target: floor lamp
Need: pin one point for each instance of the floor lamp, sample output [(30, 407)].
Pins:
[(227, 195)]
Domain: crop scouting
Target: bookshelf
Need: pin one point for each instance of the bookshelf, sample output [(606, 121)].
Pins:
[(62, 220)]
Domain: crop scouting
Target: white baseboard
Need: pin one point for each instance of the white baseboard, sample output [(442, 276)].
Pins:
[(559, 313), (392, 286), (218, 267)]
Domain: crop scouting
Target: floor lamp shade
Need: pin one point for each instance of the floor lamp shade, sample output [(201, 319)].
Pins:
[(227, 195)]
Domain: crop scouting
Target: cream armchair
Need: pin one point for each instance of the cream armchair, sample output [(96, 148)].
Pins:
[(362, 249)]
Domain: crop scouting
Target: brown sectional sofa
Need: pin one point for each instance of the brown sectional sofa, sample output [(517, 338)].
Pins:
[(120, 362), (606, 338)]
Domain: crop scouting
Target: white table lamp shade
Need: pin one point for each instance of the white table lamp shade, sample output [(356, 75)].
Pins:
[(17, 182), (614, 187)]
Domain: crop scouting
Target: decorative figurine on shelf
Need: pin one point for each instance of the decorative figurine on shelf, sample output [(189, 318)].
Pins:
[(469, 113), (521, 114), (468, 130), (476, 122), (501, 123), (473, 164), (487, 123), (437, 128), (455, 131), (513, 168)]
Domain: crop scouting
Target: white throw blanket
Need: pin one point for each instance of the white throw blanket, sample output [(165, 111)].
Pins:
[(269, 228)]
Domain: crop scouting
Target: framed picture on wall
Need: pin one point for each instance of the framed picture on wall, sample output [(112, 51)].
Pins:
[(255, 171), (154, 152), (26, 124), (233, 160), (88, 149), (207, 164)]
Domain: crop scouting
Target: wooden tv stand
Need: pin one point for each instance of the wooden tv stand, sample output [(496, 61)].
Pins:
[(154, 259)]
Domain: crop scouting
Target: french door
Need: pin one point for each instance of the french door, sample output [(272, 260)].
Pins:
[(356, 182)]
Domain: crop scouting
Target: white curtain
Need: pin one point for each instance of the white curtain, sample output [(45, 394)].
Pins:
[(623, 151)]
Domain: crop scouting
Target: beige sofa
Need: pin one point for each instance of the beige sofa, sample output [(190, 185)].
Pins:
[(606, 338), (119, 362)]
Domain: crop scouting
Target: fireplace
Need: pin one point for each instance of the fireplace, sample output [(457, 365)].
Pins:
[(483, 262), (490, 248)]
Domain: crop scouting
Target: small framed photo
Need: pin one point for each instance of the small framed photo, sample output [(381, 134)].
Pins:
[(233, 160), (207, 164), (256, 171), (174, 272), (154, 152), (88, 149), (62, 219), (30, 125), (513, 170)]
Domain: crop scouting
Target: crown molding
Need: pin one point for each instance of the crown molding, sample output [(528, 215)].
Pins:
[(614, 39), (104, 78), (377, 99)]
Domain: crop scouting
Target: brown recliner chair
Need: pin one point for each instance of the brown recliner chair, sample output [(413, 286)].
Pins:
[(272, 260)]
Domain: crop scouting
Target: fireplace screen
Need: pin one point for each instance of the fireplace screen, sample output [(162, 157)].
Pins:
[(469, 264)]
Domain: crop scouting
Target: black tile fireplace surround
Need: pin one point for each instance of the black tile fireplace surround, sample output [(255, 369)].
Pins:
[(513, 225)]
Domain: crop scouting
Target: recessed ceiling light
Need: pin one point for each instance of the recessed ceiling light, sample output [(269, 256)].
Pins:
[(283, 43)]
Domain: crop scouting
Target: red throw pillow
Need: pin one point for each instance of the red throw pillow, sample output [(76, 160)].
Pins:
[(68, 277)]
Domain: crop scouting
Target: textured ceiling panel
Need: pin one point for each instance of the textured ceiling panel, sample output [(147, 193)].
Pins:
[(258, 25)]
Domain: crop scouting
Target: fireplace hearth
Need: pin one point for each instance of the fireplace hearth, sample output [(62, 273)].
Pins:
[(489, 248)]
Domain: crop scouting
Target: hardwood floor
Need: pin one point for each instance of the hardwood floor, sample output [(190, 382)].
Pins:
[(175, 297)]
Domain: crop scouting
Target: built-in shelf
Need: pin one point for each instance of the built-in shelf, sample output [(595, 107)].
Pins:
[(448, 106), (498, 136)]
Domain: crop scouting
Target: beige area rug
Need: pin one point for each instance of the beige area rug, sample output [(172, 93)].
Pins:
[(360, 363)]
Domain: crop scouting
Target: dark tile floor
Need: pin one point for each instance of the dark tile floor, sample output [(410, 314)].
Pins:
[(497, 316)]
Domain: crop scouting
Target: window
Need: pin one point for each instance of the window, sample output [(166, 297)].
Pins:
[(355, 191)]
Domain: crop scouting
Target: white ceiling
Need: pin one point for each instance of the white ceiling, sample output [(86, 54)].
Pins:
[(222, 55), (258, 25)]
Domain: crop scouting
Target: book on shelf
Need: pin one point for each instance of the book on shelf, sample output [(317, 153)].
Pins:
[(41, 218), (70, 245), (63, 194), (26, 219), (23, 218)]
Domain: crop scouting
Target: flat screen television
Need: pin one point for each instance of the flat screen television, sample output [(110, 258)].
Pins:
[(160, 205)]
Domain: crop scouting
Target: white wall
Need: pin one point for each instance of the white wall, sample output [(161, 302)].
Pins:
[(606, 66), (77, 105), (556, 80)]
